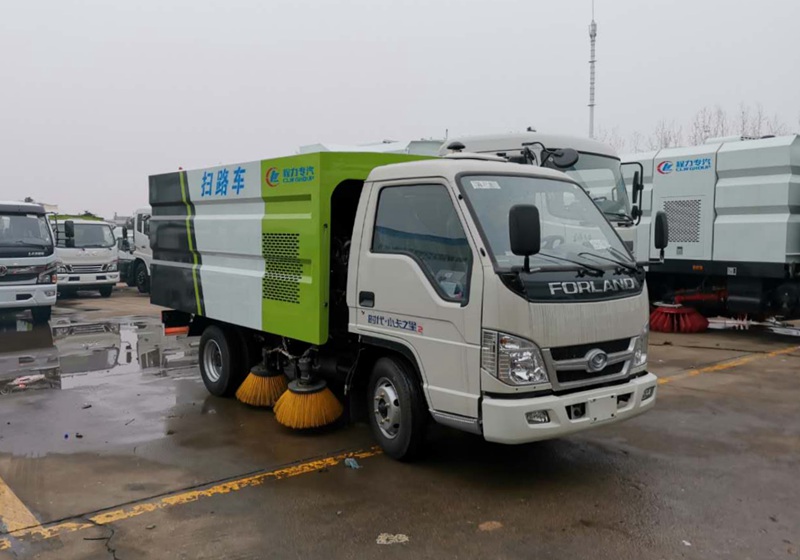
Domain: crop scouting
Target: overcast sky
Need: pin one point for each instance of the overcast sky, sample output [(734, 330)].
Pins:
[(97, 95)]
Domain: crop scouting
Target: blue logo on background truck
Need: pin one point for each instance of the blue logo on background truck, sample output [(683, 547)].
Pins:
[(698, 164)]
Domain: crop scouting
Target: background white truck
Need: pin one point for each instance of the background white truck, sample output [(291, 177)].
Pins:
[(597, 169), (734, 225), (28, 260), (138, 252), (451, 288), (88, 255)]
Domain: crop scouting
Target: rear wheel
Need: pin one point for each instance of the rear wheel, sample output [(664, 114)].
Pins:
[(41, 315), (397, 410), (221, 366), (142, 278), (105, 291)]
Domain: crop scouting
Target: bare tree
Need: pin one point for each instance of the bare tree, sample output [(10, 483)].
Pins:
[(613, 138), (708, 123), (666, 135), (638, 142)]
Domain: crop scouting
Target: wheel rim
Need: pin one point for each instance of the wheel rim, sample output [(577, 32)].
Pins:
[(212, 360), (141, 277), (388, 413)]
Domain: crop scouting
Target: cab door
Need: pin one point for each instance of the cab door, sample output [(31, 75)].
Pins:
[(420, 284)]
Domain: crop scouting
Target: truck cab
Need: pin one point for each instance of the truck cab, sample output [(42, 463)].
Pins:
[(139, 238), (88, 255), (27, 261), (598, 169)]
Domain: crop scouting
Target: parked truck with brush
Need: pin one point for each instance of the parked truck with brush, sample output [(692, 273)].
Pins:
[(489, 296), (28, 261), (592, 164), (734, 217)]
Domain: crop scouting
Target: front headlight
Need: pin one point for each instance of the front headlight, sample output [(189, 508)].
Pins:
[(512, 360), (61, 269), (640, 349), (47, 277), (112, 267)]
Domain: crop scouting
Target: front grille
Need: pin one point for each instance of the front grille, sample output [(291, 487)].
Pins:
[(573, 376), (85, 268), (580, 350), (18, 279)]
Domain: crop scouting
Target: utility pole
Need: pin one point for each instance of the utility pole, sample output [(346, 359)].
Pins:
[(592, 61)]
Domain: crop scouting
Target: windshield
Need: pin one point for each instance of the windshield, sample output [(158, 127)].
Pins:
[(602, 177), (572, 227), (88, 236), (25, 229)]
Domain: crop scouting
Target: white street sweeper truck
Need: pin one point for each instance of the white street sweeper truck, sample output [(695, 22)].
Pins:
[(734, 226), (490, 296)]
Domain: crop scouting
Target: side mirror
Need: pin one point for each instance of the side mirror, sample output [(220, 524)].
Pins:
[(636, 212), (69, 234), (524, 231), (638, 186), (564, 158), (661, 235), (124, 232)]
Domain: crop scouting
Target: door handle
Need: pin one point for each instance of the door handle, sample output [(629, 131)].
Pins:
[(366, 299)]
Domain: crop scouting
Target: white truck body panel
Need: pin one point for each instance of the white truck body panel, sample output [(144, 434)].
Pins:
[(742, 207)]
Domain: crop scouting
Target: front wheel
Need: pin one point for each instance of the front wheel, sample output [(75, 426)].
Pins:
[(41, 315), (221, 365), (398, 414), (142, 278), (105, 291)]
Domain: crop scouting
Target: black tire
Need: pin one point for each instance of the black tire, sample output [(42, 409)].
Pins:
[(410, 424), (41, 315), (141, 278), (221, 365), (105, 291)]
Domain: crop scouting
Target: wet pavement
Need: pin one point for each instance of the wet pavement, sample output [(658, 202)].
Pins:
[(109, 440)]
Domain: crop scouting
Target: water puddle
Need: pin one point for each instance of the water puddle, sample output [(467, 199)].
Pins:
[(71, 353)]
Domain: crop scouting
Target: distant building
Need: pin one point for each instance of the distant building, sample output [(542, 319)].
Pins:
[(422, 147)]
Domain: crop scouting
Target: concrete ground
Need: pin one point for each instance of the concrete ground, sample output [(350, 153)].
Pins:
[(114, 449)]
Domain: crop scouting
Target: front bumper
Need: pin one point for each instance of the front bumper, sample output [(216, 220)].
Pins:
[(27, 296), (86, 280), (504, 420)]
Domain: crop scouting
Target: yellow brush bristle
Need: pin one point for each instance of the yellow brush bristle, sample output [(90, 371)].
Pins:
[(258, 390), (308, 410)]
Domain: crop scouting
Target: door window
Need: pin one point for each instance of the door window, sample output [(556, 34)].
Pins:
[(421, 222)]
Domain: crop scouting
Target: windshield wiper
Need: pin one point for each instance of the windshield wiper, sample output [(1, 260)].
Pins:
[(629, 267), (597, 271)]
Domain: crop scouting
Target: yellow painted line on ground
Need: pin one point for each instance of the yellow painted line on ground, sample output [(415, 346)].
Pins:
[(729, 364), (38, 532), (13, 513)]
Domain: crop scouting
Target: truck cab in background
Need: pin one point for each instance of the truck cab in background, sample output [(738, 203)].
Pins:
[(88, 255), (142, 254), (598, 169), (27, 260)]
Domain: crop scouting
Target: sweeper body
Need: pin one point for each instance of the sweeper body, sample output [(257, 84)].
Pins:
[(492, 297), (734, 218)]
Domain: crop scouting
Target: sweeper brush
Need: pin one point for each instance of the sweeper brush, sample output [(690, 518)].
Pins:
[(263, 387), (677, 319), (307, 404)]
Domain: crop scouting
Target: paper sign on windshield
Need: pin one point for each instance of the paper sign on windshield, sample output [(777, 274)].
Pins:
[(485, 184)]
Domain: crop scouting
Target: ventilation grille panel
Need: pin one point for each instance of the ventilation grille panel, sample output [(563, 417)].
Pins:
[(684, 220), (282, 267)]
